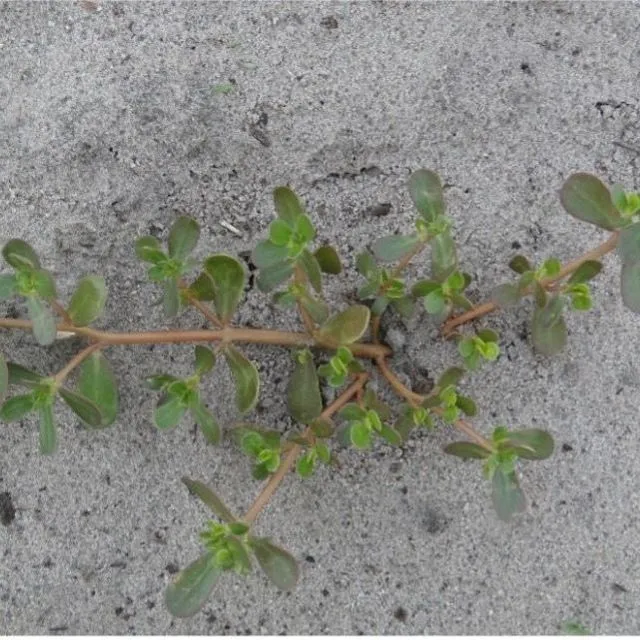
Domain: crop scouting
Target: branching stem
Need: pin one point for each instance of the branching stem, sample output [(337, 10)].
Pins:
[(274, 482), (227, 334), (77, 360), (488, 307)]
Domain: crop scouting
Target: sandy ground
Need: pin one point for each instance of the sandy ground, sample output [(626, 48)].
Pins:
[(113, 120)]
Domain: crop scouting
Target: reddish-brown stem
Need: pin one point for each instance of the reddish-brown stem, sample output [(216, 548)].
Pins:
[(227, 334), (204, 309), (487, 307), (61, 376), (415, 399), (61, 311), (399, 268), (274, 482)]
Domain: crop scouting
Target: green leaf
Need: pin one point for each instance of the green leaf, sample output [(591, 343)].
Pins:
[(585, 272), (322, 428), (303, 392), (246, 378), (84, 408), (279, 565), (572, 628), (508, 498), (312, 269), (305, 465), (403, 306), (466, 405), (87, 303), (4, 376), (21, 376), (20, 255), (48, 436), (347, 326), (8, 285), (239, 528), (423, 288), (149, 249), (391, 248), (160, 382), (266, 254), (205, 420), (360, 435), (352, 411), (323, 452), (531, 444), (272, 276), (506, 295), (205, 360), (467, 450), (44, 323), (202, 287), (183, 237), (379, 305), (366, 265), (548, 339), (208, 496), (540, 295), (318, 310), (585, 197), (171, 298), (443, 256), (169, 413), (630, 286), (97, 383), (435, 303), (229, 278), (17, 407), (391, 435), (488, 335), (629, 244), (520, 264), (187, 594), (425, 189), (287, 205), (451, 377), (328, 260), (44, 284)]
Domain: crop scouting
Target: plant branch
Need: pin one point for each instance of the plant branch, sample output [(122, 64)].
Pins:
[(415, 399), (274, 482), (488, 307), (227, 334), (204, 309), (61, 376), (400, 267), (61, 311)]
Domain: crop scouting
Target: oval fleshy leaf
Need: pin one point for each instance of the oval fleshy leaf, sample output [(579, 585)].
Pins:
[(520, 264), (266, 254), (191, 588), (246, 378), (97, 383), (170, 298), (287, 205), (21, 376), (531, 444), (585, 272), (149, 249), (303, 393), (548, 339), (451, 376), (87, 303), (20, 255), (508, 498), (205, 420), (209, 497), (205, 360), (328, 260), (467, 450), (587, 198), (279, 565), (425, 189), (506, 295), (347, 326), (229, 277), (443, 256), (48, 436), (630, 286), (169, 413), (183, 237), (311, 269), (17, 407), (8, 285), (272, 276), (629, 244), (391, 248), (84, 408), (318, 310), (44, 324), (202, 287)]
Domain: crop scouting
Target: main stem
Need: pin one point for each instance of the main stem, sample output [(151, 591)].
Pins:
[(488, 307), (274, 482), (227, 334)]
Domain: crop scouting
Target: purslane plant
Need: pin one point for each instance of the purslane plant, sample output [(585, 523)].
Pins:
[(329, 350)]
